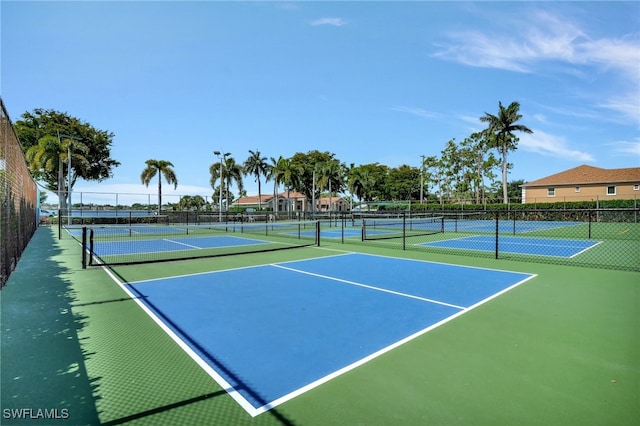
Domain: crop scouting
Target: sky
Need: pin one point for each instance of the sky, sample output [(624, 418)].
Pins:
[(371, 82)]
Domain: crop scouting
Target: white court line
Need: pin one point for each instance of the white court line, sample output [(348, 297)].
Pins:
[(182, 244), (237, 396), (585, 249), (233, 393), (384, 290)]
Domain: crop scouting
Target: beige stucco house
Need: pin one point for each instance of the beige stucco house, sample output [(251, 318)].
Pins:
[(296, 200), (584, 183)]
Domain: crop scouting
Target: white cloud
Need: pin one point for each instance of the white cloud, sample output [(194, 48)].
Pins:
[(540, 118), (287, 6), (551, 145), (416, 111), (546, 38), (476, 49), (627, 105), (336, 22), (625, 147), (549, 39)]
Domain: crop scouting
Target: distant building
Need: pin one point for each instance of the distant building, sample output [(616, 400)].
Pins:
[(283, 202), (584, 183), (296, 200)]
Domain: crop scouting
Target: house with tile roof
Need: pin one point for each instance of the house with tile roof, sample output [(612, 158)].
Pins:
[(282, 201), (296, 200), (584, 183)]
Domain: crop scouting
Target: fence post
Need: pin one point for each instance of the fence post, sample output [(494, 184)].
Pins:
[(404, 231), (497, 228)]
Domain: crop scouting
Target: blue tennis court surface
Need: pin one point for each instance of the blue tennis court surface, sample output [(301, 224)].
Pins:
[(270, 332), (519, 245), (111, 248)]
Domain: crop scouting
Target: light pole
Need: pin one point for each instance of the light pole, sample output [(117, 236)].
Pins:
[(221, 156), (60, 178)]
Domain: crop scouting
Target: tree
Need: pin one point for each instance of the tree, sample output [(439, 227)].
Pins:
[(231, 172), (330, 177), (403, 183), (307, 167), (478, 163), (450, 163), (188, 202), (53, 155), (283, 171), (256, 165), (432, 166), (161, 168), (374, 176), (502, 126), (91, 148)]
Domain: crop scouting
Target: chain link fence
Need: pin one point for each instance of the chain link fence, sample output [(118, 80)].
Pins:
[(600, 238), (18, 199)]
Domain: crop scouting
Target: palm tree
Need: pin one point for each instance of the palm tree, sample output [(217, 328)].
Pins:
[(500, 134), (51, 154), (257, 166), (161, 168), (331, 175), (283, 171), (358, 181), (230, 172)]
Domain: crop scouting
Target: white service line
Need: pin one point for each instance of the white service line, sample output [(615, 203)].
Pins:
[(424, 299)]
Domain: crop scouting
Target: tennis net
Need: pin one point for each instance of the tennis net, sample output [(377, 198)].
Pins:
[(134, 244), (403, 227)]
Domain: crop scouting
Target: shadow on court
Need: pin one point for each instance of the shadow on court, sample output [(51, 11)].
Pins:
[(44, 380)]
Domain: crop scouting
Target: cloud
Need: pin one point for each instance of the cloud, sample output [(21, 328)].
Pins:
[(627, 105), (336, 22), (552, 40), (540, 118), (553, 146), (287, 6), (416, 111), (625, 147), (546, 38)]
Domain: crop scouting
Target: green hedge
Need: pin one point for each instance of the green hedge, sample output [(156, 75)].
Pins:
[(563, 205)]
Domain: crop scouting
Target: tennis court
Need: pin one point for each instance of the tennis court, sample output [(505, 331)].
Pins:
[(341, 333), (115, 248), (521, 245), (268, 333), (130, 244)]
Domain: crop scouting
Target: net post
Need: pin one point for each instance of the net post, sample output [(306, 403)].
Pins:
[(91, 247), (364, 225), (84, 247), (59, 224), (318, 233)]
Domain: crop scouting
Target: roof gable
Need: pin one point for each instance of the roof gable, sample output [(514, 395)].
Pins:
[(589, 175)]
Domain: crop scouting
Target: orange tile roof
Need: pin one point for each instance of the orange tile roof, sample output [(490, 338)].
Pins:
[(253, 199), (589, 175)]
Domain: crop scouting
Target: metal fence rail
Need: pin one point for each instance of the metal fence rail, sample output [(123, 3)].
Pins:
[(18, 199)]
